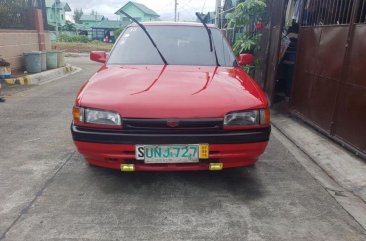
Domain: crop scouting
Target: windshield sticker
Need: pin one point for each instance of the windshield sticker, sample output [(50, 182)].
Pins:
[(182, 42), (124, 38)]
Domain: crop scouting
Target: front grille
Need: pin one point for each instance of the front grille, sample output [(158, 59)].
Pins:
[(174, 124)]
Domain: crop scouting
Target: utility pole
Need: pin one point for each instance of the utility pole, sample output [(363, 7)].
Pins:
[(56, 15), (218, 9), (175, 10)]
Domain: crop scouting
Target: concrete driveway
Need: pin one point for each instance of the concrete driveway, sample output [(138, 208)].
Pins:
[(47, 191)]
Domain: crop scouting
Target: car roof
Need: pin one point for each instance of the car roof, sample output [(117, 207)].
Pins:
[(169, 23)]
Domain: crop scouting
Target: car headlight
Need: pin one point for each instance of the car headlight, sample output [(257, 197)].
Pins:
[(248, 118), (98, 117)]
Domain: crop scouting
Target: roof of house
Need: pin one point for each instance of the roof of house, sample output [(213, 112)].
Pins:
[(58, 4), (142, 7), (85, 17), (111, 24), (81, 27)]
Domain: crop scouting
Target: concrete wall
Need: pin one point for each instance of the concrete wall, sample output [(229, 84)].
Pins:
[(48, 45), (13, 43)]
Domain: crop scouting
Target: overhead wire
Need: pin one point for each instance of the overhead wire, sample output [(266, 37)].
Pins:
[(204, 4)]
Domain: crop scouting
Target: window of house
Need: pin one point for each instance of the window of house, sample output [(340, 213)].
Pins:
[(98, 34)]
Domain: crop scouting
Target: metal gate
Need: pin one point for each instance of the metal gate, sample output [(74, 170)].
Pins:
[(329, 90)]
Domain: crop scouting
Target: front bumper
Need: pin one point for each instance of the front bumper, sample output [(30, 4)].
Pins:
[(112, 148), (138, 137)]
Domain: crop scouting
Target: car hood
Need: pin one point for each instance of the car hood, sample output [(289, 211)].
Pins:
[(171, 91)]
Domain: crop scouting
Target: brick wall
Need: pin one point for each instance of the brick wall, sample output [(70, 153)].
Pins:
[(13, 43)]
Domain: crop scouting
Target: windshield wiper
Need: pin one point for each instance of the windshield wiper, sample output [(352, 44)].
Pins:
[(147, 33), (212, 44)]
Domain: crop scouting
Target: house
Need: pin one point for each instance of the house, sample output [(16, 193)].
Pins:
[(82, 29), (55, 10), (106, 28), (91, 20), (138, 11)]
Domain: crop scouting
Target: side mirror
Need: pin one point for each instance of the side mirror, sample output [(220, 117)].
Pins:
[(98, 56), (245, 59)]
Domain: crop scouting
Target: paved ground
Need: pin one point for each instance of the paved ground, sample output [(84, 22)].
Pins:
[(47, 192)]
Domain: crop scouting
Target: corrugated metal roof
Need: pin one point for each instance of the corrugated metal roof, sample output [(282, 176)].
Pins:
[(82, 27), (111, 24)]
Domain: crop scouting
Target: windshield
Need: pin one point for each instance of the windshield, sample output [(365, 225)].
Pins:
[(180, 45)]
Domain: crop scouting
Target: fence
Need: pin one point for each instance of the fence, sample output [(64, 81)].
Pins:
[(18, 14), (361, 15), (327, 12), (223, 25)]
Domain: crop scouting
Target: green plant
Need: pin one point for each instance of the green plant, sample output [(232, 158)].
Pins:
[(248, 12), (249, 68), (246, 43), (117, 32), (69, 26), (15, 13), (73, 38), (248, 15)]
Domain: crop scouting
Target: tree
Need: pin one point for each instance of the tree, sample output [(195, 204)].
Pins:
[(69, 26), (248, 12), (93, 12), (14, 13), (77, 15), (117, 32)]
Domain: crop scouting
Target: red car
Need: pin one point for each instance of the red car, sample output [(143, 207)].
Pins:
[(170, 97)]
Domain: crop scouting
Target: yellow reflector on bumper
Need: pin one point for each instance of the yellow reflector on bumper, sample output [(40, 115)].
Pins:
[(127, 167), (204, 151), (216, 166)]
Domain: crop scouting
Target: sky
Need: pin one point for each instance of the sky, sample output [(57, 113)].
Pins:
[(165, 8)]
